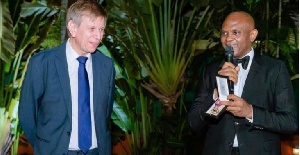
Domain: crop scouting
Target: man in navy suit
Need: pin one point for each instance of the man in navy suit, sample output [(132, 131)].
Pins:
[(48, 109), (262, 106)]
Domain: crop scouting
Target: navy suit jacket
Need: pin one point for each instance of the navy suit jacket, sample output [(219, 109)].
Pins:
[(268, 88), (45, 109)]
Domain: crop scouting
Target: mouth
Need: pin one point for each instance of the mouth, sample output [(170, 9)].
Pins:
[(95, 44), (235, 47)]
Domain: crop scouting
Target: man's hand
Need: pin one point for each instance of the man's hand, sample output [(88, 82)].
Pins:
[(238, 106), (231, 71)]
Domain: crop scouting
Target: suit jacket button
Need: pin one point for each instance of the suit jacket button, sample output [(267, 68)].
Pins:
[(68, 133), (230, 144), (236, 123)]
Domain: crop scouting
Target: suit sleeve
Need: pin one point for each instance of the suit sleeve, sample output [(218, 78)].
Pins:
[(203, 100), (284, 117), (28, 105), (112, 91)]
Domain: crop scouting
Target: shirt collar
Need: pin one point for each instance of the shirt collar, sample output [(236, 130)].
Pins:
[(251, 55), (71, 54)]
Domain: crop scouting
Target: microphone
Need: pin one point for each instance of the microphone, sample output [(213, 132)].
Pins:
[(229, 58)]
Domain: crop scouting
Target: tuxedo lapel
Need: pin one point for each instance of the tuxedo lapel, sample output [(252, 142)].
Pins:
[(63, 75), (252, 77)]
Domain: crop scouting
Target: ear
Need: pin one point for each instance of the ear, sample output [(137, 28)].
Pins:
[(72, 27), (253, 35)]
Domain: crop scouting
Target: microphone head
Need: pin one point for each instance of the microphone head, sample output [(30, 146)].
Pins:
[(229, 54), (229, 50)]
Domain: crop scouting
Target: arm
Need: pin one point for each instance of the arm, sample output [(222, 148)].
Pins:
[(203, 100), (284, 117), (111, 90), (272, 106), (28, 105)]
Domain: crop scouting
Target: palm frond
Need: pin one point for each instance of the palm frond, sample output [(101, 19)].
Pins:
[(7, 37)]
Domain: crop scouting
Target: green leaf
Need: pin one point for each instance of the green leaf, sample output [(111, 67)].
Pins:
[(7, 37), (120, 118), (13, 108), (37, 8), (33, 29), (5, 130)]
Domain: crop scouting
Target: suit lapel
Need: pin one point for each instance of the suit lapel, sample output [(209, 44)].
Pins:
[(252, 77), (63, 75), (98, 84)]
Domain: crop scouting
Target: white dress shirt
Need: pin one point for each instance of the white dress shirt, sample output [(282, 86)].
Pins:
[(73, 65), (239, 86)]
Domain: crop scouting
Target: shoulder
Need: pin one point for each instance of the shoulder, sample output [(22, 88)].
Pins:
[(99, 55), (101, 58), (268, 62), (214, 65), (267, 65), (50, 53)]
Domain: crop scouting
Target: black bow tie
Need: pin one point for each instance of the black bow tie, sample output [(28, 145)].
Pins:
[(244, 61)]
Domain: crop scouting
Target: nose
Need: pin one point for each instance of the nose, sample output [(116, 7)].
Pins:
[(229, 37), (98, 34)]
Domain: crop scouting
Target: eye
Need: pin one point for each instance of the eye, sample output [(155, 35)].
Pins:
[(236, 32), (224, 33), (91, 28), (101, 29)]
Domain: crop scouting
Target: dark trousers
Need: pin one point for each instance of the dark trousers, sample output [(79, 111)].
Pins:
[(79, 152)]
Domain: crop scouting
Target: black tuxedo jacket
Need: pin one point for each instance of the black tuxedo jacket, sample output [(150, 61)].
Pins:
[(269, 90), (45, 109)]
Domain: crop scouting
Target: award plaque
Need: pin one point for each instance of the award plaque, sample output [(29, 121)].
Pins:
[(221, 95)]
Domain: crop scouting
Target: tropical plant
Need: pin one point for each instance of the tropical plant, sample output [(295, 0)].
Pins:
[(24, 27), (152, 44), (158, 32)]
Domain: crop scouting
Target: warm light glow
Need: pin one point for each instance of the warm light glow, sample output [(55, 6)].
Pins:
[(296, 150)]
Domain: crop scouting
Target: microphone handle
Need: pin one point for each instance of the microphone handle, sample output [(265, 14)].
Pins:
[(231, 86), (229, 58)]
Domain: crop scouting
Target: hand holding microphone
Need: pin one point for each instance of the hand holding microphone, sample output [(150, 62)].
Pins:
[(229, 69)]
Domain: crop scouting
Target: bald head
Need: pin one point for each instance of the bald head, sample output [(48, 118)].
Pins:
[(241, 17), (238, 31)]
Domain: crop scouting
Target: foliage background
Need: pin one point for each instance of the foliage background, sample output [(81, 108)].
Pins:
[(153, 121)]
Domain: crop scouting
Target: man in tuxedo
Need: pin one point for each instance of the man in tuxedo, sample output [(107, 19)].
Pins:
[(262, 106), (67, 94)]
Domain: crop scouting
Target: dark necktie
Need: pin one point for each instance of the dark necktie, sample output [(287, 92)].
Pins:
[(244, 61), (84, 113)]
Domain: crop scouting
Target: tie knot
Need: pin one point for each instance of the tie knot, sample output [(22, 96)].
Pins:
[(82, 59), (244, 61)]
